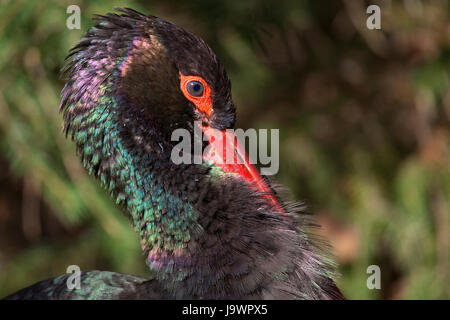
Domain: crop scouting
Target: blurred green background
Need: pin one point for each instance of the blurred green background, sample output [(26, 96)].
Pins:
[(364, 118)]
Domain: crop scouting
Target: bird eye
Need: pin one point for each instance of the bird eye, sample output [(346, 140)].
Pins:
[(197, 91), (195, 88)]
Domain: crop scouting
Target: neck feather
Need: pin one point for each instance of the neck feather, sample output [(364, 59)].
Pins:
[(205, 234)]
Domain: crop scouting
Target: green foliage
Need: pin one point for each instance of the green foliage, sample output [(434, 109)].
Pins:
[(364, 123)]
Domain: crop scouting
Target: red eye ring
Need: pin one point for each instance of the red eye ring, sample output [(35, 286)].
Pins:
[(203, 102)]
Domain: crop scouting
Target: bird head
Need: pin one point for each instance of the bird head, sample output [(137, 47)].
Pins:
[(153, 77), (172, 75)]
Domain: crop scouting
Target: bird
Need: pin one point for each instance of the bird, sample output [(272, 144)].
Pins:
[(208, 230)]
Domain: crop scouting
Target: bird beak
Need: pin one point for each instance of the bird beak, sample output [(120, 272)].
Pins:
[(225, 151)]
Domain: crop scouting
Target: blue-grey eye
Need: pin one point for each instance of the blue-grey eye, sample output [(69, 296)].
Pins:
[(195, 88)]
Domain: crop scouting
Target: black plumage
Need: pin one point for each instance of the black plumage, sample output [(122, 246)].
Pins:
[(207, 234)]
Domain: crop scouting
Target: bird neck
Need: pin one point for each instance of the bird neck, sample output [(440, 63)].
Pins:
[(172, 207), (206, 234)]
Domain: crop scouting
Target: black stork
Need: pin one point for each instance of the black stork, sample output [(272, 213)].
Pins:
[(209, 230)]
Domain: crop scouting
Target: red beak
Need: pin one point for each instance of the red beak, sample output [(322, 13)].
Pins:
[(225, 151)]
